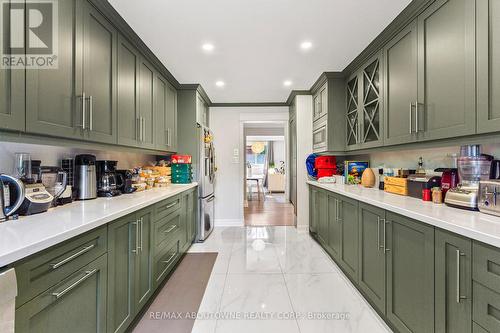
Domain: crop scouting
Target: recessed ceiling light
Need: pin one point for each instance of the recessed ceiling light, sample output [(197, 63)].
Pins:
[(220, 83), (306, 45), (208, 47), (287, 83)]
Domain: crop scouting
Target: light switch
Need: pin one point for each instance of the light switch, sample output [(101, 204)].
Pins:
[(236, 152)]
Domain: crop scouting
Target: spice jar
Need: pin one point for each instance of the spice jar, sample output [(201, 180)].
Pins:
[(437, 195)]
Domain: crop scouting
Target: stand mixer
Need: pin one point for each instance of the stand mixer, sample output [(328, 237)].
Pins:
[(472, 168)]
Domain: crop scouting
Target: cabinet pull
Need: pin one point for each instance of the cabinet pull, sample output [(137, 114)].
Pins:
[(75, 284), (144, 129), (73, 256), (385, 235), (417, 129), (171, 205), (84, 98), (411, 118), (136, 224), (171, 228), (459, 298), (91, 113), (378, 234), (141, 221), (169, 259)]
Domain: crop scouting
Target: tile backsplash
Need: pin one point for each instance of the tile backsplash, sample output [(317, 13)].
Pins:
[(51, 155)]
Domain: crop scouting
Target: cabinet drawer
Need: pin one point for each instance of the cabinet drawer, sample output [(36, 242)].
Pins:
[(167, 206), (164, 262), (166, 229), (486, 307), (486, 263), (41, 271)]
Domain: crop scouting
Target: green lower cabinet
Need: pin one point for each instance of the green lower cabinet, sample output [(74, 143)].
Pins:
[(191, 217), (348, 217), (76, 304), (372, 258), (410, 274), (334, 227), (478, 329), (144, 259), (322, 217), (122, 247), (313, 216), (453, 278)]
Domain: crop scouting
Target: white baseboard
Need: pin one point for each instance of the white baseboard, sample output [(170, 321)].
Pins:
[(229, 223), (302, 228)]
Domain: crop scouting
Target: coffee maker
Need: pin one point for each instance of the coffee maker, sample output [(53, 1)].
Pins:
[(107, 179), (85, 177), (472, 168), (125, 176)]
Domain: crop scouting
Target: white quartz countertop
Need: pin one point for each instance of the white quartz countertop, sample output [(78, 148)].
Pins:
[(31, 234), (475, 225)]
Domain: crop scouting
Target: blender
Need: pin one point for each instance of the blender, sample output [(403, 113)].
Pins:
[(472, 168)]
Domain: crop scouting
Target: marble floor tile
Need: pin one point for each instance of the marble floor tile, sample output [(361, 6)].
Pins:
[(257, 326), (210, 305), (258, 258)]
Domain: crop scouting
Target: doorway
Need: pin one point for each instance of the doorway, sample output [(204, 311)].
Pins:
[(267, 201)]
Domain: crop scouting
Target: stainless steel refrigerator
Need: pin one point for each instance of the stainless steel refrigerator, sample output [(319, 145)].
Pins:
[(206, 183)]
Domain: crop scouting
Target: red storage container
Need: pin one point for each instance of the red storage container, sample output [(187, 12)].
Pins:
[(325, 162), (181, 159), (326, 172)]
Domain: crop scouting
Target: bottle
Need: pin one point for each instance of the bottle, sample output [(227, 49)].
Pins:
[(381, 179), (420, 169)]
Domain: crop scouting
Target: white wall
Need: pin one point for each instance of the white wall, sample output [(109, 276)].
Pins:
[(227, 124), (304, 148), (279, 152)]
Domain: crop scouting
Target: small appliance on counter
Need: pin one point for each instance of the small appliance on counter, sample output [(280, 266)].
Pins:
[(495, 169), (473, 167), (107, 179), (55, 181), (489, 196), (85, 183), (36, 199), (418, 183), (67, 165), (11, 196), (127, 180), (449, 179)]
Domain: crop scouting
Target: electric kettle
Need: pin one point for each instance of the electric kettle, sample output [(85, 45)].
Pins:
[(10, 188)]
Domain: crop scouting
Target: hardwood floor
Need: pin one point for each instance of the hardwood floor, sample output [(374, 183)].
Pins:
[(274, 211)]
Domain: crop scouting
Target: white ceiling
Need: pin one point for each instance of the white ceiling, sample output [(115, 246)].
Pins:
[(257, 42)]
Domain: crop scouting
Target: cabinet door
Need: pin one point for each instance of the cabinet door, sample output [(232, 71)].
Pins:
[(313, 214), (12, 93), (488, 65), (400, 57), (166, 114), (348, 216), (192, 214), (201, 111), (410, 274), (51, 105), (371, 254), (320, 100), (98, 43), (453, 283), (144, 259), (320, 136), (76, 304), (446, 70), (371, 104), (334, 227), (128, 106), (352, 130), (122, 252), (146, 104), (321, 209)]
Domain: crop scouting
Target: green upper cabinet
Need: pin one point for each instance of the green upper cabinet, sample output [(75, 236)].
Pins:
[(166, 114), (488, 65), (12, 108), (96, 45), (146, 104), (372, 254), (128, 105), (446, 70), (453, 279), (400, 58), (348, 217), (365, 106), (52, 107), (409, 249), (75, 304), (202, 111), (320, 103)]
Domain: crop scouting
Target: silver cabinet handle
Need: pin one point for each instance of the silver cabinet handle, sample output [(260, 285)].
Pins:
[(91, 113), (170, 258), (171, 205), (75, 284), (141, 222), (84, 100), (171, 228), (385, 235), (459, 298), (378, 234), (136, 249), (417, 128), (73, 256), (411, 120), (143, 129)]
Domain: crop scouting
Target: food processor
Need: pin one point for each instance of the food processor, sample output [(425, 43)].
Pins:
[(472, 168)]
